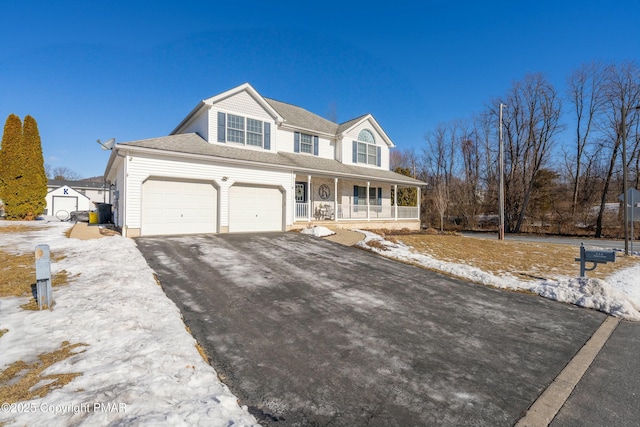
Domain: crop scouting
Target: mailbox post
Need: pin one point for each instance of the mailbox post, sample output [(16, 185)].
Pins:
[(43, 276), (594, 256)]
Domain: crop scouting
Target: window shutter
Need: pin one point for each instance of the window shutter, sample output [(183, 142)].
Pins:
[(378, 156), (355, 152), (296, 142), (379, 195), (315, 145), (222, 121), (267, 136), (355, 194)]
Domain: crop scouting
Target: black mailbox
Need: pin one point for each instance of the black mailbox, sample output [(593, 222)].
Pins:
[(596, 257), (600, 256)]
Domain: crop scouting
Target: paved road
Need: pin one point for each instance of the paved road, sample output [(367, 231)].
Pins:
[(609, 391), (309, 332), (575, 241)]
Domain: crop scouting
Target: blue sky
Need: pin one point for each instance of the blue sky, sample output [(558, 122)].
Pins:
[(134, 69)]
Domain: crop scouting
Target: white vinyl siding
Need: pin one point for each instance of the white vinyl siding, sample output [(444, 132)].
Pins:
[(141, 168), (241, 104), (199, 125), (352, 135)]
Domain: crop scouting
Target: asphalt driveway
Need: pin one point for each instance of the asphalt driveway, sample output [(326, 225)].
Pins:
[(309, 332)]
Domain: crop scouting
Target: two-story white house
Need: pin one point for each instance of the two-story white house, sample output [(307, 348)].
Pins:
[(239, 162)]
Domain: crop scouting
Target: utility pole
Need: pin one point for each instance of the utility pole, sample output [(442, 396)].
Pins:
[(625, 202), (501, 190), (625, 215)]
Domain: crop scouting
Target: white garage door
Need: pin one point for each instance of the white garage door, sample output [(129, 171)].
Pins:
[(178, 207), (255, 209), (62, 204)]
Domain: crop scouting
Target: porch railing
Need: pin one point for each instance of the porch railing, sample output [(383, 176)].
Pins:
[(302, 210), (345, 212)]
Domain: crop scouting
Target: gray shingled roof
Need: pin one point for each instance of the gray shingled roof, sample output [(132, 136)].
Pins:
[(299, 117), (191, 143)]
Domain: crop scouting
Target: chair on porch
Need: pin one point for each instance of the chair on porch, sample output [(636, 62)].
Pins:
[(328, 212), (324, 212)]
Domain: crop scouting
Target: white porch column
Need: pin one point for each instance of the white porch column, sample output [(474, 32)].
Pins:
[(308, 198), (335, 199), (367, 195), (395, 201), (418, 202)]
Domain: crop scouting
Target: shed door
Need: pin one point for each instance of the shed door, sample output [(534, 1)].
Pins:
[(178, 207), (254, 208), (64, 203)]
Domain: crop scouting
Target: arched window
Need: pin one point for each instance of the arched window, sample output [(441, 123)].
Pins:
[(366, 136), (365, 149)]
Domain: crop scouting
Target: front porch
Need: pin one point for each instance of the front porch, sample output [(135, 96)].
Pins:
[(354, 204)]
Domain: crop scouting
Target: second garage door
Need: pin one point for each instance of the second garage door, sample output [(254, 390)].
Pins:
[(178, 207), (254, 209)]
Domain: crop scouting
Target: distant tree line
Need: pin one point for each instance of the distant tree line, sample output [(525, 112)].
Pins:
[(562, 155)]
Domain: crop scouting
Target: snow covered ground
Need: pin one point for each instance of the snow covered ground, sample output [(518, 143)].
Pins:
[(140, 365), (618, 295)]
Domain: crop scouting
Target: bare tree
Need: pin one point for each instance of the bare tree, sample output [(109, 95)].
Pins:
[(586, 94), (532, 121), (63, 173), (441, 200), (622, 92), (439, 158), (332, 112)]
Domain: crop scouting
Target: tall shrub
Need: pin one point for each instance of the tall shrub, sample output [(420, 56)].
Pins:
[(35, 183), (11, 163), (23, 184)]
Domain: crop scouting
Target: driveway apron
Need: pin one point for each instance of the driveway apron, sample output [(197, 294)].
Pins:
[(308, 332)]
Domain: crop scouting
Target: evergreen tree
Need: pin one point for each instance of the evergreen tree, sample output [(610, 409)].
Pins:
[(35, 184), (23, 184), (11, 163)]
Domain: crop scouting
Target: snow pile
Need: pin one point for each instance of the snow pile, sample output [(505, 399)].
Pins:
[(618, 296), (318, 231), (590, 293), (140, 364)]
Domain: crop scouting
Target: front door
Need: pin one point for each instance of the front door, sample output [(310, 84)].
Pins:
[(301, 192)]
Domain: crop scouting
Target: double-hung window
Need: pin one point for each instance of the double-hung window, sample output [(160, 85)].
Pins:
[(365, 149), (306, 143), (360, 197), (235, 128), (243, 130), (254, 132)]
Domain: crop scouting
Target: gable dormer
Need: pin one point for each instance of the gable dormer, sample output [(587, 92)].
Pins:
[(364, 143), (239, 117)]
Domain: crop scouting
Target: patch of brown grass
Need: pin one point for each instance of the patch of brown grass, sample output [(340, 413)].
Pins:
[(527, 260), (376, 244), (23, 381), (3, 331), (18, 274), (106, 231), (19, 228)]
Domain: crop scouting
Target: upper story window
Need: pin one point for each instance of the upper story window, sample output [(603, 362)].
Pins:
[(244, 130), (365, 149), (304, 143), (235, 124)]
